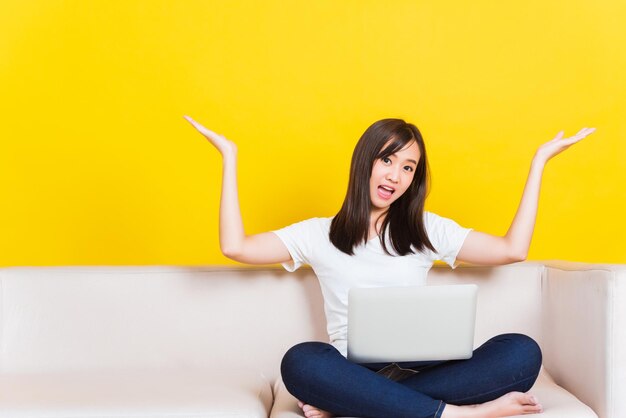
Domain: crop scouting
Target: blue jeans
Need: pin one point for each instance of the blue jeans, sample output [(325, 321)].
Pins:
[(317, 374)]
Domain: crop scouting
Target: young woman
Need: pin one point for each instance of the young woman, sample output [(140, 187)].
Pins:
[(383, 237)]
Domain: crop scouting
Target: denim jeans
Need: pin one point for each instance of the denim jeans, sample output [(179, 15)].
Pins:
[(318, 374)]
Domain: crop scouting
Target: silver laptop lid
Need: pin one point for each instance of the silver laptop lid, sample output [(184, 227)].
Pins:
[(416, 323)]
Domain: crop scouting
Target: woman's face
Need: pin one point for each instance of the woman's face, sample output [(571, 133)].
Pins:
[(392, 175)]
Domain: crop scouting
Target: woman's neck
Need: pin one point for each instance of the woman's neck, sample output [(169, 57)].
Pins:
[(376, 222)]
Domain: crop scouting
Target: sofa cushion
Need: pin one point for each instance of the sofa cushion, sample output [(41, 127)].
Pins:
[(181, 393), (556, 401)]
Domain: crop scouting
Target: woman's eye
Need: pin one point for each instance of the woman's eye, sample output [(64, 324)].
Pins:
[(388, 160)]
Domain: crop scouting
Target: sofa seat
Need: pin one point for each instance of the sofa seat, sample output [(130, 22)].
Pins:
[(556, 401), (148, 341), (145, 394)]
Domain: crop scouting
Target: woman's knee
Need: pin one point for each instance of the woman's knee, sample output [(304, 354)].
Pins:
[(299, 364), (299, 361), (524, 350), (517, 357)]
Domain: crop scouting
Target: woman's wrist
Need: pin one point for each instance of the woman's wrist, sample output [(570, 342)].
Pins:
[(538, 161), (229, 155)]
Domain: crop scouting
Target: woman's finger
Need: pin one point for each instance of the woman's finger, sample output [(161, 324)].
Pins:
[(590, 131), (560, 144), (219, 141), (195, 124), (584, 133), (203, 130)]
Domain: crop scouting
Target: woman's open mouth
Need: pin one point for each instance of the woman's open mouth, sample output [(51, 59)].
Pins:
[(385, 192)]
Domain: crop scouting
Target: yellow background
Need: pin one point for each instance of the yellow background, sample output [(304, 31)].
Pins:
[(98, 166)]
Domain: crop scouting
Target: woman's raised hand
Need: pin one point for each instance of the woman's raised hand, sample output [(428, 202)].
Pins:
[(223, 145), (560, 144)]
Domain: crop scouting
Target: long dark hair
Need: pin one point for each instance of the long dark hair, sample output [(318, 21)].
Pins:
[(350, 227)]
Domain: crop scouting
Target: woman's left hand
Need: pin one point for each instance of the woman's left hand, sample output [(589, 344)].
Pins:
[(560, 144)]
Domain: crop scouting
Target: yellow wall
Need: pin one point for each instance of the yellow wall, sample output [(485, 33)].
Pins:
[(98, 166)]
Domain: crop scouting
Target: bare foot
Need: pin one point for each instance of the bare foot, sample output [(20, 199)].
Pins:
[(513, 403), (313, 412)]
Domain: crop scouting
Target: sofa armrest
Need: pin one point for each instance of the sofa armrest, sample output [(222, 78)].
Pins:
[(584, 333)]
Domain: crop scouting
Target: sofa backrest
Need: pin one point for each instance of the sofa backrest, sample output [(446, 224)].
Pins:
[(56, 319)]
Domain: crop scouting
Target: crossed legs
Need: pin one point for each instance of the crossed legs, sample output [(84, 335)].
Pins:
[(317, 374)]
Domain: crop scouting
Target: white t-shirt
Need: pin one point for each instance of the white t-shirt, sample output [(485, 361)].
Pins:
[(308, 243)]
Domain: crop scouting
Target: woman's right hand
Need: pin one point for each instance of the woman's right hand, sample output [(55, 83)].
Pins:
[(223, 145)]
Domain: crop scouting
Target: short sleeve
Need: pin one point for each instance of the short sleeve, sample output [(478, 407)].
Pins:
[(298, 238), (447, 237)]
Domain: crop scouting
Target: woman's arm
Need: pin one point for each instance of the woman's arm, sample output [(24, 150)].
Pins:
[(487, 249), (264, 248), (231, 225)]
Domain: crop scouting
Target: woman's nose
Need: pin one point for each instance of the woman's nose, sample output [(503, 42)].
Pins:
[(393, 175)]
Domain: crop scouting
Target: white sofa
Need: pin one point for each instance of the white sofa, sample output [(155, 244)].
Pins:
[(160, 342)]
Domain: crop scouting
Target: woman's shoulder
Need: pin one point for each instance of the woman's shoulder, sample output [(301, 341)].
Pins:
[(429, 218), (440, 228), (434, 222), (432, 217), (316, 224), (323, 223), (320, 227), (318, 220)]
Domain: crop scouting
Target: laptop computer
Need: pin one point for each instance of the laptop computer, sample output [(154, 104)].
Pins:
[(416, 323)]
